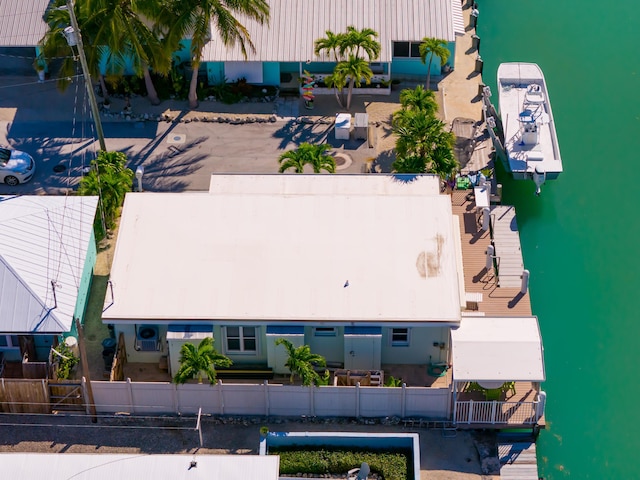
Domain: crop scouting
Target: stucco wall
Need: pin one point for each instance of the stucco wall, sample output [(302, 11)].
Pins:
[(420, 346)]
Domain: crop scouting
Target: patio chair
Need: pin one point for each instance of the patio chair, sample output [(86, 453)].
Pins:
[(492, 394), (359, 473), (509, 387), (473, 387)]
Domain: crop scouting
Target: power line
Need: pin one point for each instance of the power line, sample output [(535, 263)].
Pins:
[(37, 82)]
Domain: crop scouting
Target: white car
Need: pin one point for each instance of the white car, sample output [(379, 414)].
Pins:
[(15, 167)]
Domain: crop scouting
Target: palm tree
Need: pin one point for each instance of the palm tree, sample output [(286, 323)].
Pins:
[(110, 180), (349, 50), (423, 144), (331, 44), (307, 153), (303, 363), (121, 26), (112, 31), (198, 360), (410, 164), (356, 42), (418, 99), (353, 70), (430, 47), (193, 18)]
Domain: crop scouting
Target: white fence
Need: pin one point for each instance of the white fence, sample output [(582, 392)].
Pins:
[(503, 413), (271, 399)]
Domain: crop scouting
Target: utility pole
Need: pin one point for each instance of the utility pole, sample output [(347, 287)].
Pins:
[(74, 38), (84, 362)]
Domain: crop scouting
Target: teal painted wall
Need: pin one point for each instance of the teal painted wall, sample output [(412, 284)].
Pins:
[(270, 73), (290, 67), (183, 54), (43, 346), (319, 67), (215, 72), (413, 66), (85, 281)]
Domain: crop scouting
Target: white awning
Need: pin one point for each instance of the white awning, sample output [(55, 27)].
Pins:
[(505, 349)]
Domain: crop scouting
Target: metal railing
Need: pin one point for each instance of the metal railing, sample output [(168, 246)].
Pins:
[(494, 412)]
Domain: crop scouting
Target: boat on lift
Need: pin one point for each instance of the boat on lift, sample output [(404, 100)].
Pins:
[(525, 133)]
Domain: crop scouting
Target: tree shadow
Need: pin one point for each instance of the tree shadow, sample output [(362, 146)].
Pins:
[(293, 133)]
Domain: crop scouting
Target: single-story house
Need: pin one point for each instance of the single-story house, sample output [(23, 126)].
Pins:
[(47, 255), (285, 47), (365, 269)]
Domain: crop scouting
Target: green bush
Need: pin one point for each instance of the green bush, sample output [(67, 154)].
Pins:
[(391, 465), (65, 365)]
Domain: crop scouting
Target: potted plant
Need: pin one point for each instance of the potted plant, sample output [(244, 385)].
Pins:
[(40, 67)]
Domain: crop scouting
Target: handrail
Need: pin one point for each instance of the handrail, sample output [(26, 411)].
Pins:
[(496, 412)]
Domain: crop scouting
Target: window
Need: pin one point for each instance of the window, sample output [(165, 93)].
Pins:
[(399, 337), (324, 331), (241, 339), (406, 49)]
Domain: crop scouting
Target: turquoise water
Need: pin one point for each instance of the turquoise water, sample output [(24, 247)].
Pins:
[(581, 238)]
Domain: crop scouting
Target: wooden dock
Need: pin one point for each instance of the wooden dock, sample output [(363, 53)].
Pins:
[(517, 460), (506, 241), (497, 300)]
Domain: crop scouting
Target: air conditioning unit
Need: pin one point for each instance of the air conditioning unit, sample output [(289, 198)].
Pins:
[(147, 338)]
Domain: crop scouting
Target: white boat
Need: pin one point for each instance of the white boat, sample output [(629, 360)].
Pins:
[(529, 141)]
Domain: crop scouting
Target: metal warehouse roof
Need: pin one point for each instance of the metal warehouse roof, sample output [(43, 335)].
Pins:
[(335, 248), (42, 239), (295, 25), (21, 23), (101, 466), (501, 349)]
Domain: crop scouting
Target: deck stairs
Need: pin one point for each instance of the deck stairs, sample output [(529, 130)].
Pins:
[(506, 241)]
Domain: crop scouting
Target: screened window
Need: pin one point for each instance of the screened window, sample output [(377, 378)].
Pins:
[(401, 49), (406, 49), (399, 337), (241, 339), (324, 331)]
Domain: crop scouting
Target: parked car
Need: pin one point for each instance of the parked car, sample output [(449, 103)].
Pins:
[(15, 166)]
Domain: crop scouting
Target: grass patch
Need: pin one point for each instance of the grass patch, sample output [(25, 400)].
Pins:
[(390, 464)]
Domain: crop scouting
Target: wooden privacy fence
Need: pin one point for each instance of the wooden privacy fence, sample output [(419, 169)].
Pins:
[(19, 395), (271, 399), (24, 396)]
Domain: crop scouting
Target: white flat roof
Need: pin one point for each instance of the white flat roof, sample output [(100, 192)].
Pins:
[(100, 466), (336, 248), (500, 348), (295, 25), (42, 239)]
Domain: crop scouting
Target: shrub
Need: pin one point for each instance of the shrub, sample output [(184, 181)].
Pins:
[(66, 361), (391, 465)]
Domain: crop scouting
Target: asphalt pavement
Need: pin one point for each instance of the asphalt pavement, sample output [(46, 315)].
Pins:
[(57, 130)]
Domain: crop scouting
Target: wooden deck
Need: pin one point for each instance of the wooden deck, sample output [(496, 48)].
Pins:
[(506, 240), (496, 300), (517, 460)]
